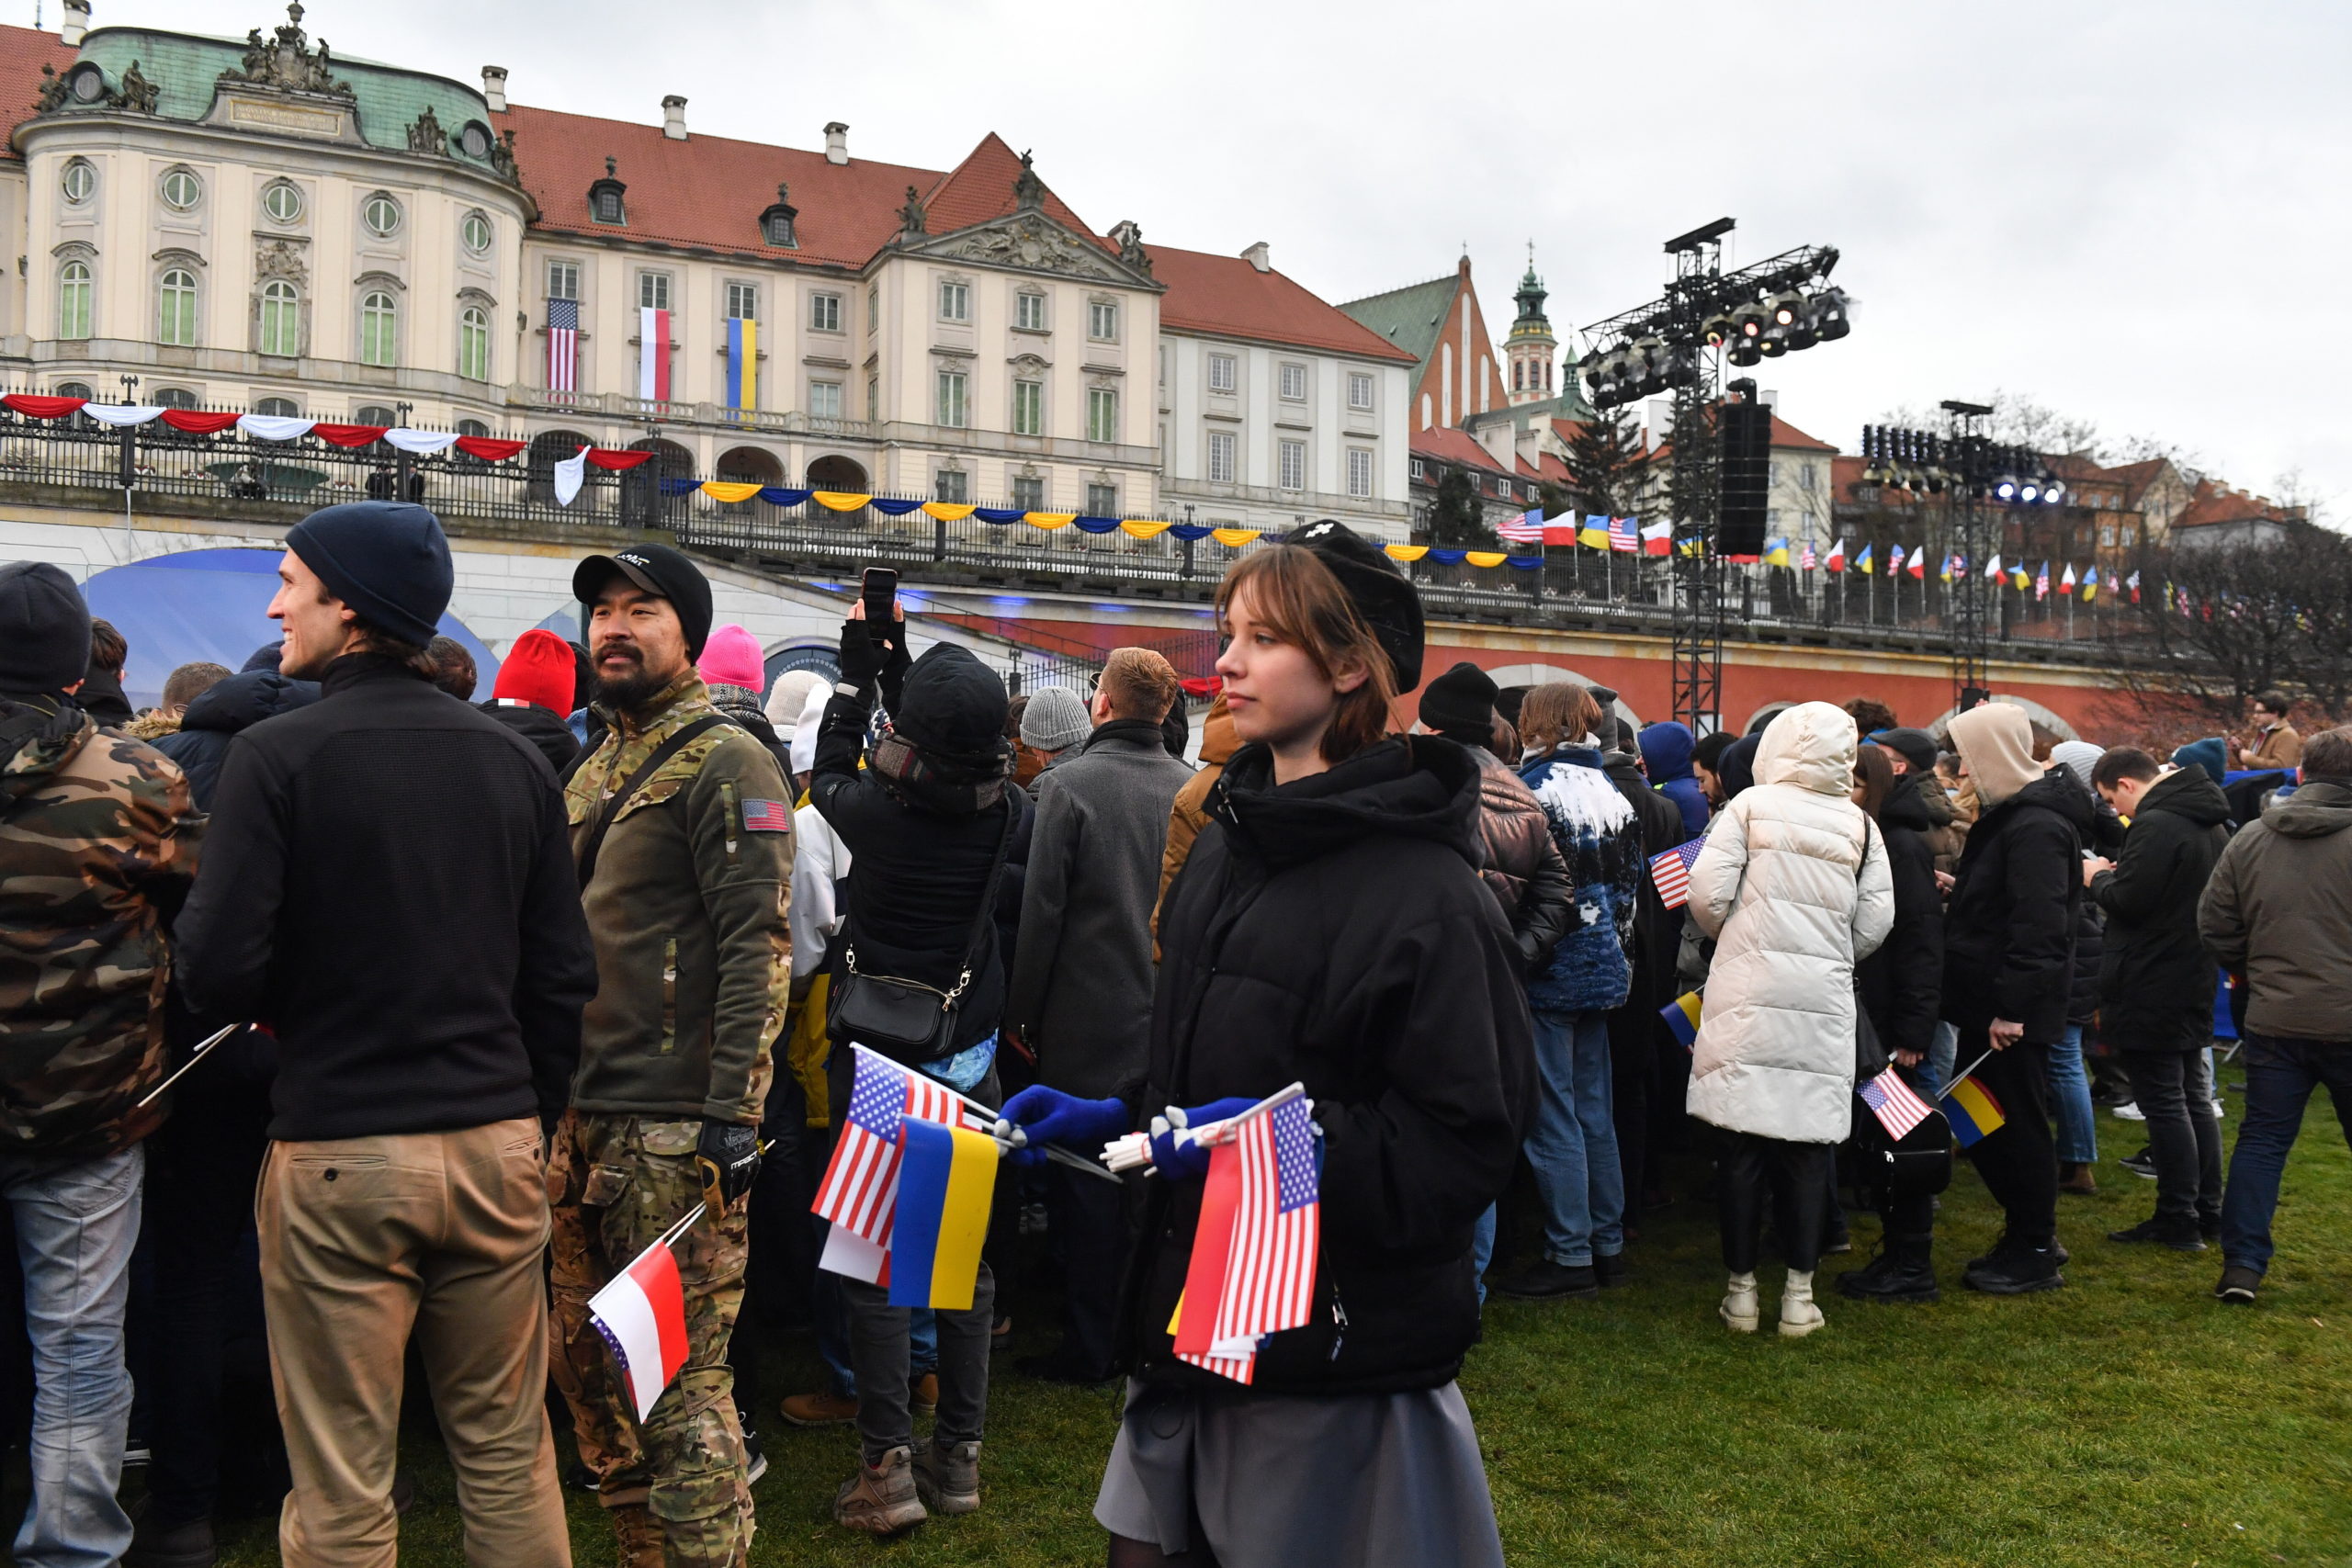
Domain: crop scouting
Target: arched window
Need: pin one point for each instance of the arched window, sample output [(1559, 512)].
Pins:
[(473, 343), (281, 319), (73, 390), (379, 329), (73, 299), (278, 408), (176, 308), (174, 398)]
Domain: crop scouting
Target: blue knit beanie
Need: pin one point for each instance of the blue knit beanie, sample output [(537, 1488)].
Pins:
[(387, 559)]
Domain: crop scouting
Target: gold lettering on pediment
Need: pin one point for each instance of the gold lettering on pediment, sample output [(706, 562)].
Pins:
[(300, 118)]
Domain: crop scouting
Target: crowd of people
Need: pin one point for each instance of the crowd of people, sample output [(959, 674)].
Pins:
[(373, 1030)]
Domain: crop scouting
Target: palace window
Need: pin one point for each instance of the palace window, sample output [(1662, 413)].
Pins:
[(1359, 391), (1223, 449), (1102, 321), (954, 411), (176, 308), (382, 216), (80, 181), (1294, 383), (181, 190), (952, 485), (476, 233), (1359, 473), (1291, 465), (1029, 312), (1224, 373), (825, 400), (563, 281), (1101, 501), (379, 329), (73, 299), (1101, 414), (1028, 408), (824, 312), (742, 301), (1029, 491), (281, 320), (473, 343), (954, 302), (653, 290)]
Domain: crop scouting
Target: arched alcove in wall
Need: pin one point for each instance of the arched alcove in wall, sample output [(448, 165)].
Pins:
[(1544, 674), (2044, 721)]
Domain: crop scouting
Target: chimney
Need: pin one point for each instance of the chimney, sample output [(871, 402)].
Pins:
[(493, 87), (1770, 398), (71, 31), (1256, 256), (674, 118), (836, 143)]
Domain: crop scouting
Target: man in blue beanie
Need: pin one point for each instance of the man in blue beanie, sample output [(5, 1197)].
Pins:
[(393, 893), (1666, 749)]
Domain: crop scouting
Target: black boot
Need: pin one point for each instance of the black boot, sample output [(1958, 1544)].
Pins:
[(1904, 1272)]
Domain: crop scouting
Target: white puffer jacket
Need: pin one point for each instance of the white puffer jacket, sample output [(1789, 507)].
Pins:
[(1794, 886)]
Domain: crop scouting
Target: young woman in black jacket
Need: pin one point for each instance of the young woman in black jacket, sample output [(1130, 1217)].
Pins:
[(1900, 988), (1328, 928)]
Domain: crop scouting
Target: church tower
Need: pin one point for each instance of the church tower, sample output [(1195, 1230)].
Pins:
[(1530, 348)]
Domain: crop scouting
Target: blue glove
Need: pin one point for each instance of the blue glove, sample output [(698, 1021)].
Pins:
[(1174, 1152), (1049, 1116)]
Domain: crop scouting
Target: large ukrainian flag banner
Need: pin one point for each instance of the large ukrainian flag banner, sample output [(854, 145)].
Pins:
[(742, 362), (946, 1177)]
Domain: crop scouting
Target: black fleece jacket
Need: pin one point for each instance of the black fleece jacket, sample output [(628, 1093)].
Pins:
[(2156, 982), (1900, 985), (2009, 925), (1333, 931), (390, 887), (222, 711)]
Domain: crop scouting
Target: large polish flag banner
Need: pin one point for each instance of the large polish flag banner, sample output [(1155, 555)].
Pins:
[(654, 354)]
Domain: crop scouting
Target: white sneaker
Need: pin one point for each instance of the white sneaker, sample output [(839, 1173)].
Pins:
[(1741, 1309), (2129, 1111), (1800, 1315), (2219, 1114)]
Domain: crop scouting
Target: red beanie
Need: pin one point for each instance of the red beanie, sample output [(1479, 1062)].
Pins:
[(538, 668)]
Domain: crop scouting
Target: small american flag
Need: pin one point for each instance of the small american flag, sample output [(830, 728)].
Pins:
[(860, 1193), (767, 817), (1625, 535), (1898, 1109), (563, 345), (1268, 1280), (1527, 528), (1671, 871), (1809, 561)]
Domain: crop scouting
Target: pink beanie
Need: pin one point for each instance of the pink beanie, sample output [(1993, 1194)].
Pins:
[(731, 658)]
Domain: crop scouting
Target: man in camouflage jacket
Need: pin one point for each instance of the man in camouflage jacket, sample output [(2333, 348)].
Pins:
[(97, 847), (684, 874)]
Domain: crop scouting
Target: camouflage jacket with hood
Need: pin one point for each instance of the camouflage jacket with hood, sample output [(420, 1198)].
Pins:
[(97, 846)]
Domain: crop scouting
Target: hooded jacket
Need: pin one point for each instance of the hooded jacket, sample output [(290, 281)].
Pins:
[(1522, 867), (1666, 754), (99, 839), (2277, 910), (2155, 979), (1794, 886), (1333, 931), (227, 708), (1902, 983), (2010, 922), (1601, 840), (1191, 814)]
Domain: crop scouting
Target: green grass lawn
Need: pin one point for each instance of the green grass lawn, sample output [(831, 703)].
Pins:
[(2125, 1419)]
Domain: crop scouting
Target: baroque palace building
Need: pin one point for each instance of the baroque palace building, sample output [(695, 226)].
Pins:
[(263, 225)]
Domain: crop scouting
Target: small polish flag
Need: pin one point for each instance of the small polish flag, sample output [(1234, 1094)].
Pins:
[(1838, 555), (642, 1315)]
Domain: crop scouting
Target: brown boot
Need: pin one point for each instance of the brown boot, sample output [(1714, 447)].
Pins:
[(639, 1534), (880, 1499), (2076, 1177), (821, 1409), (948, 1477)]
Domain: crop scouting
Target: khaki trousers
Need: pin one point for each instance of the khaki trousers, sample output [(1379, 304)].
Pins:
[(362, 1240)]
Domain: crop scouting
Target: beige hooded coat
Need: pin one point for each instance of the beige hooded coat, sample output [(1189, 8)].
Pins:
[(1795, 886)]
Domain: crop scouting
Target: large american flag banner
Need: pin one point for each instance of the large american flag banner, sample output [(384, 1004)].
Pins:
[(1264, 1196), (1671, 871), (1895, 1104), (563, 345), (860, 1192)]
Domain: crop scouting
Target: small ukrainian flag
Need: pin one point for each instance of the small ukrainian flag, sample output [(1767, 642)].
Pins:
[(946, 1177)]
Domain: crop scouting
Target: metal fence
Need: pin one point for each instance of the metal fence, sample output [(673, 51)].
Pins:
[(1572, 586)]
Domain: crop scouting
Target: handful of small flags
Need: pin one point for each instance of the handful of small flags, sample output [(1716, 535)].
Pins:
[(908, 1187)]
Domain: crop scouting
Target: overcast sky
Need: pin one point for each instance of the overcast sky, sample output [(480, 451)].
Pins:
[(2135, 212)]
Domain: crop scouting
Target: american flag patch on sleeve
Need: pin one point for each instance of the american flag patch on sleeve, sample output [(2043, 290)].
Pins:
[(767, 817)]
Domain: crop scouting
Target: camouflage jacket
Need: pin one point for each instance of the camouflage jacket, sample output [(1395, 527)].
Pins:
[(97, 846), (687, 907)]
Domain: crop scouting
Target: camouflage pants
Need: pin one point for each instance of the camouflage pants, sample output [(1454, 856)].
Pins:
[(674, 1484)]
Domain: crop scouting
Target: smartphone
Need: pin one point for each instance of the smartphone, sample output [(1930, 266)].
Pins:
[(880, 593)]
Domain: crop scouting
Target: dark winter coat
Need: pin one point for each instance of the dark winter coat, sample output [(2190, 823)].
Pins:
[(2009, 924), (1333, 931), (2090, 954), (1522, 869), (1666, 752), (388, 884), (1081, 978), (1657, 930), (227, 707), (543, 728), (100, 696), (2155, 987), (1902, 983)]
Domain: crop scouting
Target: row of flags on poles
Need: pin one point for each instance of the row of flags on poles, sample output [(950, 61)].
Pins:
[(1914, 564), (1624, 535), (654, 342)]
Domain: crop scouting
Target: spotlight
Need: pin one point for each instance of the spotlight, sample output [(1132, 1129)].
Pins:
[(1681, 366), (1743, 351), (1719, 329), (2053, 490), (1774, 342), (2006, 488), (1830, 314), (2029, 491), (1787, 307), (1648, 360), (1750, 319)]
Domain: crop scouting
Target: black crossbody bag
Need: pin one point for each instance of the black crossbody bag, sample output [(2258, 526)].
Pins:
[(905, 1020)]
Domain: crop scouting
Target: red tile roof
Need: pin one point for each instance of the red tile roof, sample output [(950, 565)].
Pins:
[(23, 51), (1447, 445), (1226, 294), (1786, 435), (2216, 502), (980, 188)]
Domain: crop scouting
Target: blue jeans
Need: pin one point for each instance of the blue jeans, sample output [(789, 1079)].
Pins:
[(76, 1224), (1943, 1060), (1482, 1251), (1574, 1144), (2280, 1077), (2070, 1100)]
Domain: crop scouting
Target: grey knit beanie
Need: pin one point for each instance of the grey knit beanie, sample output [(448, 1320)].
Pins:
[(1055, 720)]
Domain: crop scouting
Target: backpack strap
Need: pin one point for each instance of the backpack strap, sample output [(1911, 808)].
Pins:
[(620, 797)]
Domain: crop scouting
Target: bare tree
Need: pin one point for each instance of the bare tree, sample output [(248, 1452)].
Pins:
[(2219, 624)]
